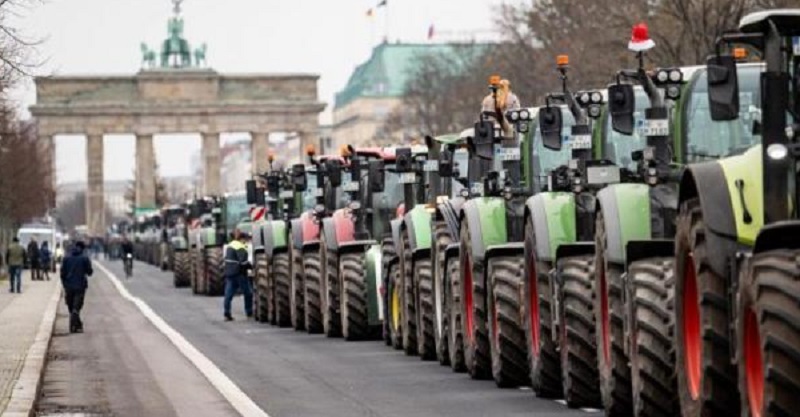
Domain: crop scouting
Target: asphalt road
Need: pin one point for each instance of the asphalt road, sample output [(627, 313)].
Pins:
[(290, 373)]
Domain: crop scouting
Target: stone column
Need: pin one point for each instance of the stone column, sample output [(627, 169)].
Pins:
[(95, 202), (211, 164), (259, 148), (145, 172)]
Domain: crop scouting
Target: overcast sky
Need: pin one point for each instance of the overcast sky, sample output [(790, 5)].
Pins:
[(327, 37)]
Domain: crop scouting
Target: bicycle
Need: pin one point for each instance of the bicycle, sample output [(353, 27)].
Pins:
[(128, 263)]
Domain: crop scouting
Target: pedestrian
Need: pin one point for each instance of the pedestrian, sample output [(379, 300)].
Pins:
[(45, 260), (236, 266), (59, 253), (33, 259), (15, 259), (75, 271)]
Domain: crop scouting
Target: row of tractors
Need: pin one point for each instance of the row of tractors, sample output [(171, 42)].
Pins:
[(633, 247)]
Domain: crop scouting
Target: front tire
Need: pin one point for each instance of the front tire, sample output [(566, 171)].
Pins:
[(355, 315), (313, 292), (477, 353), (407, 297), (426, 343), (297, 302), (332, 316), (506, 333), (280, 280), (214, 267), (441, 239)]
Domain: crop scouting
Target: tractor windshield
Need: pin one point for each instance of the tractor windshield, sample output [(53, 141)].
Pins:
[(461, 160), (707, 139), (385, 204), (309, 196), (546, 160), (617, 147), (236, 209)]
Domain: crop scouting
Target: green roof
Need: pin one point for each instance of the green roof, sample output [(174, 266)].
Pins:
[(386, 72)]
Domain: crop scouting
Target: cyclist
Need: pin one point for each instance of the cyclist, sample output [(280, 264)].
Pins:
[(127, 256)]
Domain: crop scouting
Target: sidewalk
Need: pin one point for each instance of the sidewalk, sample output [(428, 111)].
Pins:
[(21, 317)]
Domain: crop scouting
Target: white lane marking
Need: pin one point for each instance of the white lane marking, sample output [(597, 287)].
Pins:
[(235, 396)]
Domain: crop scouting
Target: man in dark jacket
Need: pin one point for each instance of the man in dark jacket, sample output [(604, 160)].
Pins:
[(33, 258), (75, 269), (236, 266)]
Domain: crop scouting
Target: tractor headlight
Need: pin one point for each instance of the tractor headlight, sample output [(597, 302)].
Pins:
[(673, 92), (584, 98), (597, 98), (662, 76), (675, 76), (777, 151), (512, 115), (594, 111), (525, 115)]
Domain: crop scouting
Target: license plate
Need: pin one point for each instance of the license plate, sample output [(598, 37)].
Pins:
[(351, 186), (408, 178), (286, 194), (431, 166), (581, 142), (659, 127), (509, 154)]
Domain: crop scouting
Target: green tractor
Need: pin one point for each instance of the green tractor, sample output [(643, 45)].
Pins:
[(170, 216), (180, 257), (736, 264)]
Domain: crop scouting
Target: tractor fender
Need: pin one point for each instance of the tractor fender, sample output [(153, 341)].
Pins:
[(311, 246), (296, 233), (374, 281), (448, 211), (355, 246), (553, 217), (637, 250), (486, 219), (705, 181), (179, 243), (418, 224), (778, 235), (208, 237), (626, 216), (329, 233), (505, 249), (395, 224), (277, 233), (574, 249), (310, 226), (257, 241), (343, 226)]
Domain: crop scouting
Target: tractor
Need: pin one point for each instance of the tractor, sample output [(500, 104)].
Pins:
[(736, 246), (171, 217), (180, 257)]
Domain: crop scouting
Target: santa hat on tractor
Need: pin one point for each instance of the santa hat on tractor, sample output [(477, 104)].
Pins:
[(640, 38)]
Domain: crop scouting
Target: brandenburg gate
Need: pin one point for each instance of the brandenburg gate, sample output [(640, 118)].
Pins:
[(177, 96)]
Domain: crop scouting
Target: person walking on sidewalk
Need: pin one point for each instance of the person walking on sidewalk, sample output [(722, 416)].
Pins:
[(33, 259), (236, 266), (15, 260), (45, 260), (75, 271)]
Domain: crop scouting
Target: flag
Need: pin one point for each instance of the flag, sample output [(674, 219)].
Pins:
[(381, 4), (430, 32)]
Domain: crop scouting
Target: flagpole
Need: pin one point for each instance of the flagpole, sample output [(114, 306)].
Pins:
[(386, 22)]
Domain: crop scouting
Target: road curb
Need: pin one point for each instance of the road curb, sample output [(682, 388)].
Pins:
[(26, 389)]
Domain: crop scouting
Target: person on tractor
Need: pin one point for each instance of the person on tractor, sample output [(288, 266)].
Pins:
[(236, 279)]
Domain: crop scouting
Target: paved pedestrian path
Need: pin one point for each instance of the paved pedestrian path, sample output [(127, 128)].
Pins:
[(21, 316)]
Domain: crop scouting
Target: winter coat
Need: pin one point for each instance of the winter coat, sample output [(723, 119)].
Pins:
[(15, 255), (236, 263), (33, 253), (75, 269), (45, 257)]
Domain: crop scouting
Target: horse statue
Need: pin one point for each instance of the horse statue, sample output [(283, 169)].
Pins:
[(175, 45), (148, 56), (200, 56)]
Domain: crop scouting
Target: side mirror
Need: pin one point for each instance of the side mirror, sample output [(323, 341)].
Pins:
[(621, 104), (376, 175), (723, 87), (299, 181), (550, 125), (482, 140), (403, 160), (333, 169), (250, 189), (446, 164)]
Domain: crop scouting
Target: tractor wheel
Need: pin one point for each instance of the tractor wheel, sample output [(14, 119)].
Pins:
[(453, 301), (264, 288), (280, 279), (387, 255), (441, 239), (543, 357), (506, 333), (706, 376), (578, 349), (355, 316), (297, 290), (408, 297), (396, 305), (477, 353), (313, 292), (651, 293), (202, 272), (426, 339), (194, 277), (609, 309), (768, 335), (216, 282), (181, 269), (332, 317)]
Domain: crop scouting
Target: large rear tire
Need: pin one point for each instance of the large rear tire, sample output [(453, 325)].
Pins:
[(609, 310), (195, 258), (426, 341), (768, 334), (355, 315), (214, 265), (180, 273), (506, 333), (264, 290), (331, 314), (388, 255), (280, 279), (455, 331), (297, 302), (579, 373), (543, 356), (313, 292), (651, 293), (396, 305), (477, 355), (441, 239), (408, 297), (706, 376)]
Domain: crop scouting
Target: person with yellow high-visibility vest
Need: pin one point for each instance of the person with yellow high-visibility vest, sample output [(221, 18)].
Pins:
[(236, 266)]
